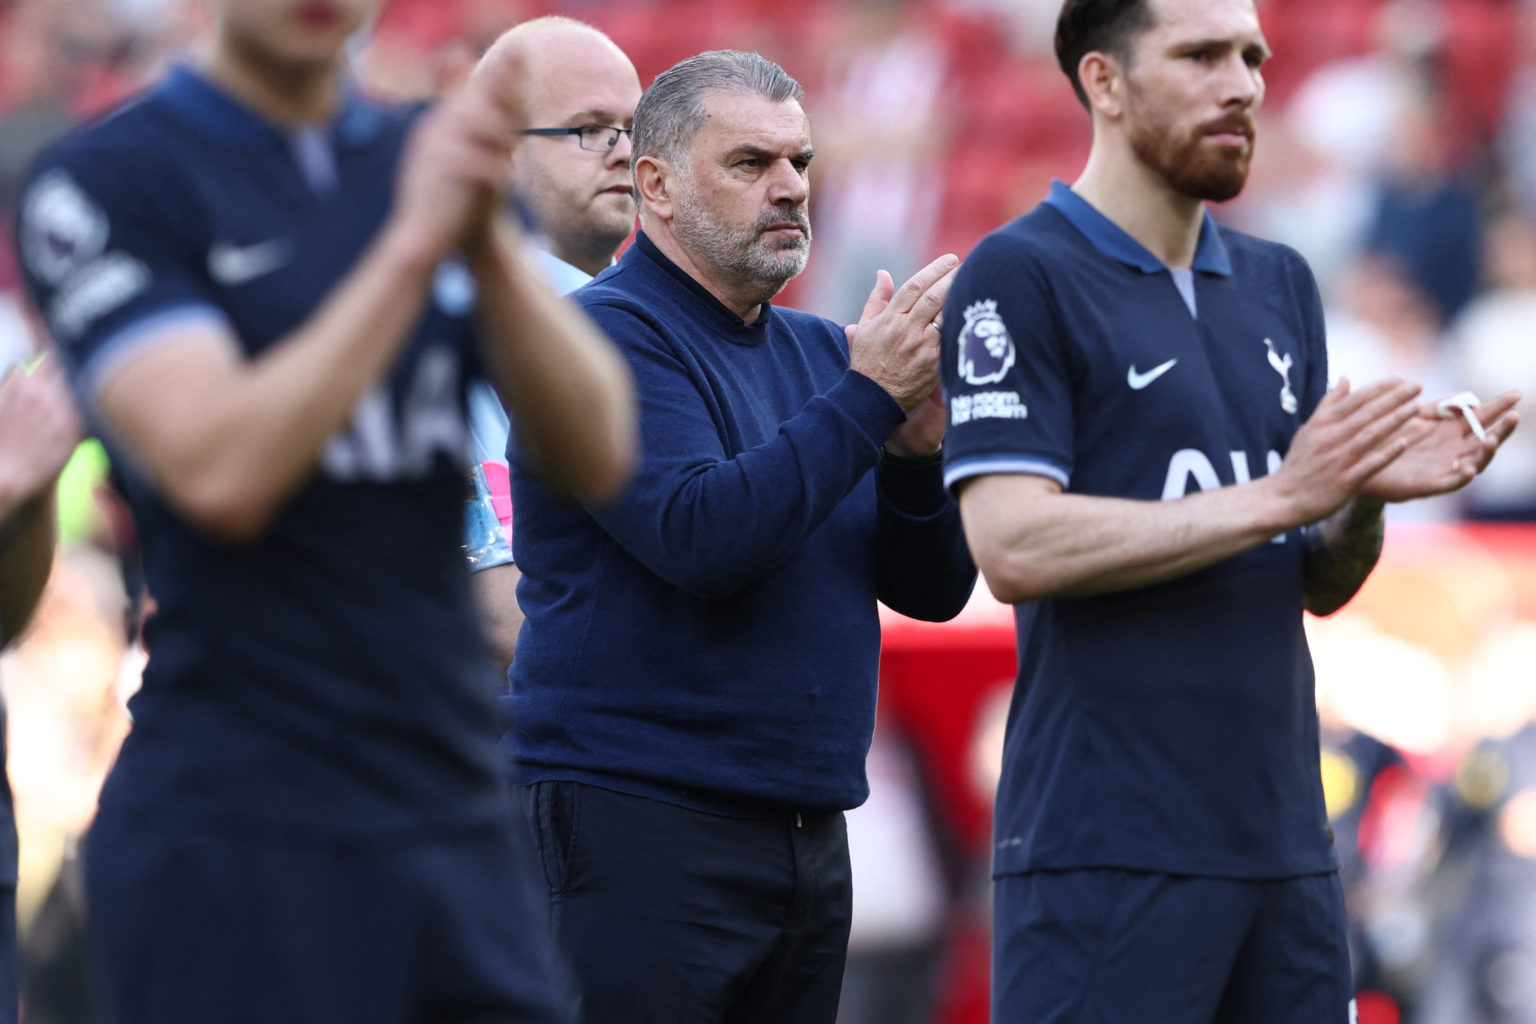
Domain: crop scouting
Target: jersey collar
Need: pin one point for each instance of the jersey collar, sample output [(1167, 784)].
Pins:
[(1112, 241), (220, 114)]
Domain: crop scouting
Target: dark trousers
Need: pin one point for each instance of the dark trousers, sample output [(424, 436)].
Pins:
[(677, 916)]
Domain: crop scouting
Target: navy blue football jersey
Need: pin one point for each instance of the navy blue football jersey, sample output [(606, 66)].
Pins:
[(329, 676), (1172, 727)]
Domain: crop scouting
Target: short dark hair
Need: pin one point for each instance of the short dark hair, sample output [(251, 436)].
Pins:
[(1103, 26), (671, 111)]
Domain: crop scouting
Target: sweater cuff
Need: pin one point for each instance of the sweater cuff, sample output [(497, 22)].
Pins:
[(867, 404), (914, 486)]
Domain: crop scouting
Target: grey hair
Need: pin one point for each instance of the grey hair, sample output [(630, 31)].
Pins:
[(671, 111)]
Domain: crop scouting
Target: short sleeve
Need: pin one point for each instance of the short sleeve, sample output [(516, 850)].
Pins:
[(109, 255), (1006, 377)]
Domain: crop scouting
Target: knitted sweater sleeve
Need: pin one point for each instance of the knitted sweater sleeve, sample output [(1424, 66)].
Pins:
[(709, 521), (924, 568)]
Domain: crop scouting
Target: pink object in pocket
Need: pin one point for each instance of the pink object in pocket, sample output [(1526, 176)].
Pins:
[(499, 482)]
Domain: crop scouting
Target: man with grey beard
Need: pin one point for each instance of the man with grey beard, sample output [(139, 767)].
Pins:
[(694, 689)]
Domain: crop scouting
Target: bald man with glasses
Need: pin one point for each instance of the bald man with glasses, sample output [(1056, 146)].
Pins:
[(572, 173)]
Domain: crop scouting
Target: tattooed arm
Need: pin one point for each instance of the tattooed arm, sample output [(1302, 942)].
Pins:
[(1341, 551)]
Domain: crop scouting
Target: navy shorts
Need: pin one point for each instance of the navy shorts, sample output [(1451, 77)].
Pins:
[(668, 915), (1104, 946), (190, 928)]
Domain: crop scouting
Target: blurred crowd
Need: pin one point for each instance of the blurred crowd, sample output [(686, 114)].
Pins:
[(1397, 152)]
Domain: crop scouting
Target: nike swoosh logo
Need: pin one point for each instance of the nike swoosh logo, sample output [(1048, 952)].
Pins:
[(238, 264), (1137, 381)]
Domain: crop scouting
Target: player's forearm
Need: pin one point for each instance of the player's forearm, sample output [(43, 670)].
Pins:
[(1074, 545), (496, 596), (1341, 552), (569, 391), (243, 437), (26, 558), (316, 376), (924, 568)]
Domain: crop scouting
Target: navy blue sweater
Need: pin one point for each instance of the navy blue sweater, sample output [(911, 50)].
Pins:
[(712, 637)]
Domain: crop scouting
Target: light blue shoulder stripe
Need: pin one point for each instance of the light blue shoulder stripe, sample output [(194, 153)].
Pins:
[(146, 332), (986, 465)]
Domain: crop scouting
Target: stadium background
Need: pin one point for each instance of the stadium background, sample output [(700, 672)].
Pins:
[(1397, 151)]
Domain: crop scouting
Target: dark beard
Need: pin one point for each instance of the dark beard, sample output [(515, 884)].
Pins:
[(1190, 168)]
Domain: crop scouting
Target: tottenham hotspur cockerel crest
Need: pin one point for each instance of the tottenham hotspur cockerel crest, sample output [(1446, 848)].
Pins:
[(1282, 366), (986, 350)]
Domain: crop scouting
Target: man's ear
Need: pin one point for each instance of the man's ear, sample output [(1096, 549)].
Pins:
[(1103, 80), (655, 182)]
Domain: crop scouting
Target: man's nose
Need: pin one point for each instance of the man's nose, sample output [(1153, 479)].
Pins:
[(1243, 83), (619, 155), (789, 184)]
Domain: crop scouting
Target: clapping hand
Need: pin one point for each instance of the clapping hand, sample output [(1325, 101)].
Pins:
[(896, 344), (1443, 453)]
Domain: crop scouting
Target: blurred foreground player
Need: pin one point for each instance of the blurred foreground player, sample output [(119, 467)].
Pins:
[(38, 431), (252, 273), (1151, 467)]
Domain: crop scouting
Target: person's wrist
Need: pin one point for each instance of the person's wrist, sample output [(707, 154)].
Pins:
[(1364, 510), (902, 455), (410, 249), (493, 239), (1274, 507)]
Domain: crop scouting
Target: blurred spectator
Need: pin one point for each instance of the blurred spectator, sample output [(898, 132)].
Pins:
[(1329, 142), (1375, 801), (41, 74), (1384, 325), (1425, 214), (62, 59), (1313, 198), (1030, 24), (1378, 163), (900, 895), (1486, 970), (1517, 141), (878, 126), (402, 58), (1492, 347)]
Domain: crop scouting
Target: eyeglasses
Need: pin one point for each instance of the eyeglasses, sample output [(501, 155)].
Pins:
[(598, 138)]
